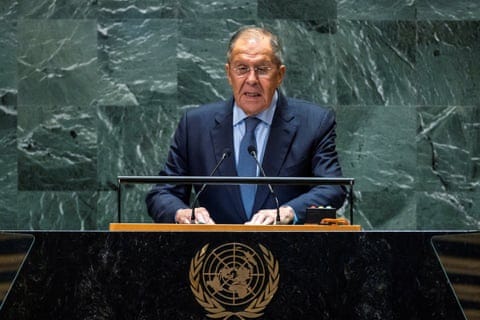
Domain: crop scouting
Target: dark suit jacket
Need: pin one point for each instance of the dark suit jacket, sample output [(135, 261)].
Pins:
[(301, 143)]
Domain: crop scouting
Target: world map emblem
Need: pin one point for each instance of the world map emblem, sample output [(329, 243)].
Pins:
[(234, 280)]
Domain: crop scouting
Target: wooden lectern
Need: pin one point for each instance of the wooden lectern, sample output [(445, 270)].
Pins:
[(166, 227)]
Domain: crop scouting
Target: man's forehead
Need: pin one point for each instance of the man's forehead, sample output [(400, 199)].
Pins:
[(244, 57), (253, 47), (253, 41), (253, 38)]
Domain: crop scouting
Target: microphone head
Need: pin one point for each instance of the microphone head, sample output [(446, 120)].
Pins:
[(226, 153), (252, 150)]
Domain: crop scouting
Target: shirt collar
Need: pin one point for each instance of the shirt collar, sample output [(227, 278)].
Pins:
[(266, 115)]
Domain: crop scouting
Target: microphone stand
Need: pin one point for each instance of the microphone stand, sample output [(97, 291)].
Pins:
[(253, 152), (225, 155)]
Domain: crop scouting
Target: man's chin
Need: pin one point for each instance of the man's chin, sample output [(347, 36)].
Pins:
[(253, 107)]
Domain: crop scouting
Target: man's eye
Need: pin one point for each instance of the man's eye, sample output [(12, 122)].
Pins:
[(242, 69), (263, 70)]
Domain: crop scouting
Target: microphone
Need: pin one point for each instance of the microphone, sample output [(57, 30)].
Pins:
[(253, 152), (226, 153)]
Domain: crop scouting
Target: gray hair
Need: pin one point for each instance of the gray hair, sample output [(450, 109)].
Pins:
[(274, 41)]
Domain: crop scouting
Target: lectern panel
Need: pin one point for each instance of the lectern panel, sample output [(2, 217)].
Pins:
[(232, 275)]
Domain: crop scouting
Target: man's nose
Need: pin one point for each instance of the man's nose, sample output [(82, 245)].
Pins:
[(252, 76)]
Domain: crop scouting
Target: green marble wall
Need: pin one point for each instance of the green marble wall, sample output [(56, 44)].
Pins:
[(93, 89)]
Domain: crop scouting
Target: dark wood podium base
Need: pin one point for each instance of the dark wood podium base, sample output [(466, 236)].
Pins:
[(175, 274)]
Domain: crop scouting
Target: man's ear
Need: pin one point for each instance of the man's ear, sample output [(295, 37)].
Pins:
[(227, 71), (281, 71)]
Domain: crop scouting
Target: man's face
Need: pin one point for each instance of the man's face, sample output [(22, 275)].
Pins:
[(253, 91)]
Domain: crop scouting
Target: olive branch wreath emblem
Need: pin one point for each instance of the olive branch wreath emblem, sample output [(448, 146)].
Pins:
[(215, 309)]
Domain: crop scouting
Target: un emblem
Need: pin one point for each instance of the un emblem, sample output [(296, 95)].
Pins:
[(234, 280)]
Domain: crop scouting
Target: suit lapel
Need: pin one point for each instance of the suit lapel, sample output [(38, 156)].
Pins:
[(282, 132), (222, 139)]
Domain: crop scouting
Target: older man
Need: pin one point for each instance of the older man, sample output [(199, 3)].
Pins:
[(290, 138)]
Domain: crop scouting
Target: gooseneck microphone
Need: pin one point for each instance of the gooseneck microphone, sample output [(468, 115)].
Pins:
[(226, 153), (253, 152)]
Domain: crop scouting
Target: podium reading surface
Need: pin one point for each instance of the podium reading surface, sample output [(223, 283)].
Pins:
[(167, 227)]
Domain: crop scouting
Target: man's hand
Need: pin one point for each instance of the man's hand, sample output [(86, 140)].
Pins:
[(269, 216), (201, 216)]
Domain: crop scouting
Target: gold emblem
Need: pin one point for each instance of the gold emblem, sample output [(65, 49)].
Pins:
[(234, 280)]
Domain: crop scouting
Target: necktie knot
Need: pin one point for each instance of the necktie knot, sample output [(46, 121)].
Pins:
[(251, 123)]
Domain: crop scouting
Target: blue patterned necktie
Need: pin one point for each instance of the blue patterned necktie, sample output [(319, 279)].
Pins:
[(247, 166)]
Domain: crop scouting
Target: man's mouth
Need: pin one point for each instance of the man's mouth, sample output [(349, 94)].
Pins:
[(252, 94)]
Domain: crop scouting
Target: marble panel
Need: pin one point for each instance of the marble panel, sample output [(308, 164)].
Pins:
[(310, 59), (389, 209), (57, 62), (8, 9), (448, 10), (448, 211), (107, 206), (53, 9), (137, 62), (57, 148), (133, 207), (300, 9), (138, 9), (133, 141), (8, 168), (201, 58), (376, 63), (448, 68), (448, 149), (8, 65), (376, 9), (60, 210), (377, 147), (229, 9)]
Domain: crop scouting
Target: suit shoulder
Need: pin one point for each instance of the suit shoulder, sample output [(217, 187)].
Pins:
[(207, 111)]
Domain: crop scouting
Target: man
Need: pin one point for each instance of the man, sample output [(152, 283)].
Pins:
[(289, 137)]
